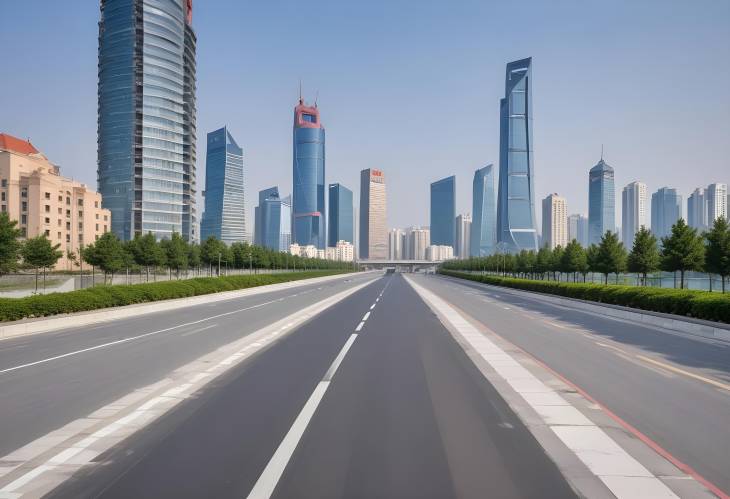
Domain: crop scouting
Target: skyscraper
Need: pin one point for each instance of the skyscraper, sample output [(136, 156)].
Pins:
[(373, 230), (273, 220), (601, 202), (633, 211), (697, 210), (146, 123), (666, 209), (516, 197), (225, 209), (554, 221), (418, 239), (578, 229), (463, 236), (443, 211), (340, 215), (308, 177), (395, 244), (484, 216), (716, 202)]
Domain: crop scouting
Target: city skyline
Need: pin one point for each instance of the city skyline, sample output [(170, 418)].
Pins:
[(670, 145)]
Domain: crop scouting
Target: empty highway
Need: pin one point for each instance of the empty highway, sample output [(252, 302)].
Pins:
[(367, 385)]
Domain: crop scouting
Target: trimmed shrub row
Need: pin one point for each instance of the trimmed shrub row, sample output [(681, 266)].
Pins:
[(699, 304), (12, 309)]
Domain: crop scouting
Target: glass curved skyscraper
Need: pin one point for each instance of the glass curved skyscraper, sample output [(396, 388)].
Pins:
[(443, 211), (308, 178), (601, 202), (483, 225), (516, 197), (146, 125)]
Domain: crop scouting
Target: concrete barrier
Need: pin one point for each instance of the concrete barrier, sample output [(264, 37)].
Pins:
[(678, 323)]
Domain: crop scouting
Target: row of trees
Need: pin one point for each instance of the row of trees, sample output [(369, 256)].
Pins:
[(682, 251), (145, 254)]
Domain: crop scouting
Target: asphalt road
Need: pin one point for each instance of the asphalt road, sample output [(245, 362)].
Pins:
[(406, 414), (668, 386), (40, 398)]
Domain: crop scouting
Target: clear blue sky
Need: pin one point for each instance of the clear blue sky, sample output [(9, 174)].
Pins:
[(411, 87)]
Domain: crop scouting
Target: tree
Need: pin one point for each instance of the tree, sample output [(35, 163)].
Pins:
[(212, 252), (543, 261), (611, 256), (71, 257), (682, 251), (147, 252), (107, 253), (717, 257), (194, 255), (573, 259), (644, 256), (556, 261), (9, 244), (39, 253), (176, 253)]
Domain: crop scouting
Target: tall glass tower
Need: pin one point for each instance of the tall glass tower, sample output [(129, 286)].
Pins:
[(146, 123), (269, 219), (484, 216), (666, 209), (443, 211), (225, 209), (516, 198), (340, 216), (601, 202), (308, 177)]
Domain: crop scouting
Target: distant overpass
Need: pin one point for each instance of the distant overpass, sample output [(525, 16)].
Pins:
[(399, 265)]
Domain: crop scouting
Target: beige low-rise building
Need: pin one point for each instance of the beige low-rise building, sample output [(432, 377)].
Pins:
[(33, 192)]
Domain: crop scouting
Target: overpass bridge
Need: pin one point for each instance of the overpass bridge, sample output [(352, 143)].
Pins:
[(399, 265)]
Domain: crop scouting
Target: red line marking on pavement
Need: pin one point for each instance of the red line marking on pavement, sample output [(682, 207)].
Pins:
[(638, 434)]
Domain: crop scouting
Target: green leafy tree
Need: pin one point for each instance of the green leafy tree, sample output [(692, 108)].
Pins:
[(39, 253), (644, 257), (107, 253), (717, 256), (212, 252), (556, 261), (147, 252), (682, 251), (543, 261), (9, 244), (176, 253), (194, 256), (573, 259), (611, 257)]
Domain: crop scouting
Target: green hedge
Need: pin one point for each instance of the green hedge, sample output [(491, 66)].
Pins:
[(12, 309), (700, 304)]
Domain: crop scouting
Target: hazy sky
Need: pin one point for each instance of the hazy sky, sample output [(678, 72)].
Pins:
[(410, 87)]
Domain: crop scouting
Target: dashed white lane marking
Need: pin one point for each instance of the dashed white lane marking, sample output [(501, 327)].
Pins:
[(365, 317), (199, 330), (624, 476), (359, 326), (372, 306), (269, 478)]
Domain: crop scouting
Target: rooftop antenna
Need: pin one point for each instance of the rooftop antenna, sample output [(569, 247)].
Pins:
[(601, 152), (301, 101), (316, 97)]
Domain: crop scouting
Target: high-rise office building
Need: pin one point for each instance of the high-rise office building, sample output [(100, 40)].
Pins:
[(554, 221), (666, 209), (516, 197), (463, 236), (273, 220), (146, 123), (395, 244), (225, 209), (578, 229), (633, 211), (340, 215), (484, 213), (373, 230), (601, 202), (716, 202), (443, 211), (697, 210), (308, 177)]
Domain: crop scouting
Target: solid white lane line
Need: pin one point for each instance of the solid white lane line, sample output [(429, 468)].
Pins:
[(359, 326), (131, 338), (269, 478), (607, 460), (365, 317), (199, 330)]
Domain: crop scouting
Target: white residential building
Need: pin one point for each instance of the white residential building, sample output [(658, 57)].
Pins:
[(463, 236), (633, 211), (439, 253), (554, 221)]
